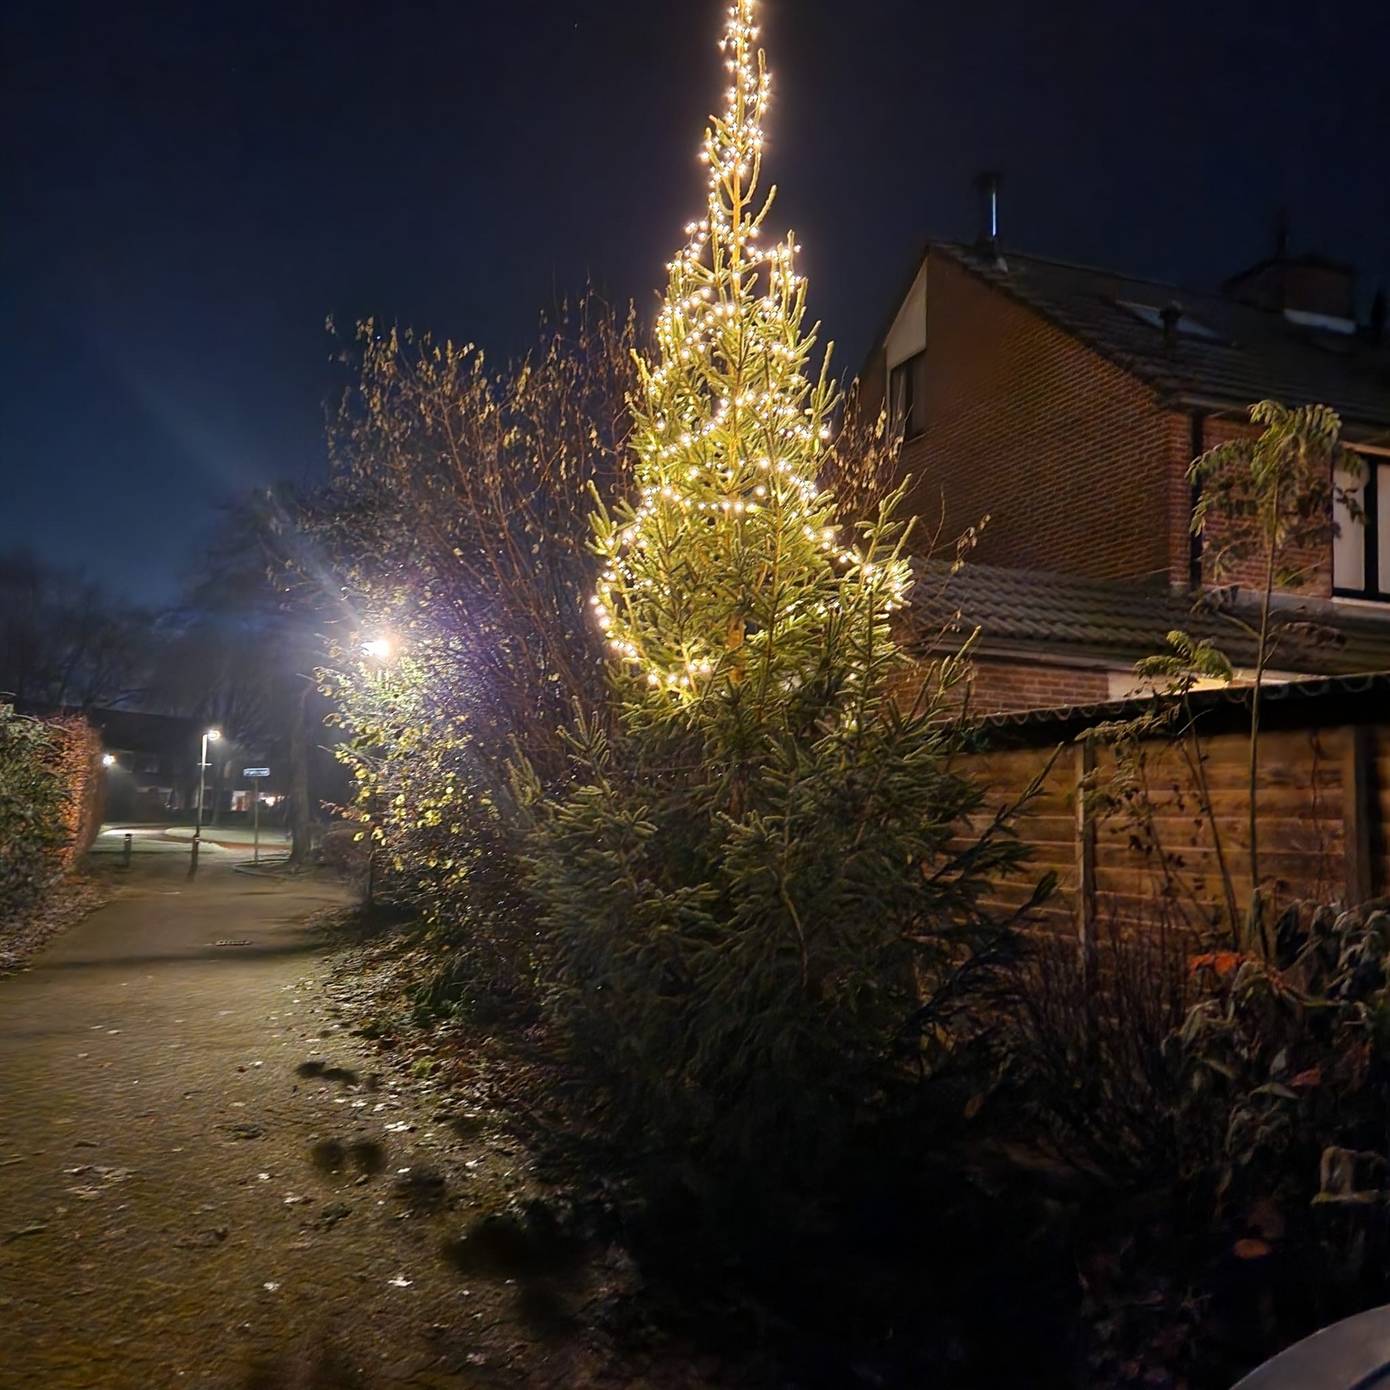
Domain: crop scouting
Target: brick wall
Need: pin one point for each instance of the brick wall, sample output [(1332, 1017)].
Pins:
[(1075, 461), (998, 685), (1080, 466), (1248, 573)]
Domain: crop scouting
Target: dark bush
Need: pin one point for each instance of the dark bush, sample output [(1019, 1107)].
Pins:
[(34, 811)]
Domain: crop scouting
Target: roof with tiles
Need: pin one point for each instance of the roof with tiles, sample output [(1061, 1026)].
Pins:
[(1018, 610), (1324, 700), (1222, 349)]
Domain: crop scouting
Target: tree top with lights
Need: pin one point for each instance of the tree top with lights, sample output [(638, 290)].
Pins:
[(730, 561)]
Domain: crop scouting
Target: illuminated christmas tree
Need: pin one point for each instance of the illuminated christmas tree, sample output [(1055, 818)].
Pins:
[(731, 562), (761, 858)]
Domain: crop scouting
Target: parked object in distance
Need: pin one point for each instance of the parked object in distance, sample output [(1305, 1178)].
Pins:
[(1350, 1355)]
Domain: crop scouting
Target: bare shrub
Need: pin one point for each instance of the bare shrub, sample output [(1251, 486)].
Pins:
[(1089, 1043)]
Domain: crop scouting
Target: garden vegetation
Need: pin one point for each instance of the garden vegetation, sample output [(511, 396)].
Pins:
[(617, 661)]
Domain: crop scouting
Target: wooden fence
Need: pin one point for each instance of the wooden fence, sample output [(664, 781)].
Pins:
[(1148, 843)]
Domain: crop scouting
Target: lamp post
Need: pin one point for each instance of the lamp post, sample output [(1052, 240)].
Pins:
[(209, 736)]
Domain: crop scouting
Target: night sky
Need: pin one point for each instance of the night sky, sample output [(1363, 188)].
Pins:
[(191, 189)]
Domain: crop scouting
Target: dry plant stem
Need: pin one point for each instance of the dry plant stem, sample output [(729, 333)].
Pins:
[(1191, 745), (1257, 916)]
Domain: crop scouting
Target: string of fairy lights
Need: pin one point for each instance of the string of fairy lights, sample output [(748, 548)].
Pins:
[(751, 439)]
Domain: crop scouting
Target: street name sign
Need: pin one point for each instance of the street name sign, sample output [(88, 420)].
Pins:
[(255, 772)]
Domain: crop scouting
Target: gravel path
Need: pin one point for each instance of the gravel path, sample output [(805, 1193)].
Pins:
[(205, 1182)]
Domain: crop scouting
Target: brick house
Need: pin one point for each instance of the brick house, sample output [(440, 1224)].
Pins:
[(1066, 403), (151, 762)]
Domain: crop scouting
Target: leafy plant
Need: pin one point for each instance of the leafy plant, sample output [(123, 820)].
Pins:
[(1265, 507), (1286, 1058), (458, 522)]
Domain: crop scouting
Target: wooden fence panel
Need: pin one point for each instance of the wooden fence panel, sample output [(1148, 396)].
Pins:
[(1160, 837)]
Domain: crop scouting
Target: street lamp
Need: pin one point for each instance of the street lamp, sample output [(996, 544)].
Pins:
[(108, 760), (209, 736), (379, 649)]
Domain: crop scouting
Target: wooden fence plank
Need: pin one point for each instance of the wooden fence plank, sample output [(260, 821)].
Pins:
[(1358, 814), (1323, 799)]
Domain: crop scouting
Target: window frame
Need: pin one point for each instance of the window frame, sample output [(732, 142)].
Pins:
[(909, 411), (1375, 507)]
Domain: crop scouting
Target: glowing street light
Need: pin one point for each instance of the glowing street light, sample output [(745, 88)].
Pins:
[(209, 736), (108, 760), (379, 648)]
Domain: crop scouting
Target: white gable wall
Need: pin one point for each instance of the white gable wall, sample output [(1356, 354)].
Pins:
[(908, 335)]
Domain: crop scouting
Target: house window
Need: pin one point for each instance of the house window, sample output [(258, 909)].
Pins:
[(907, 396), (1361, 547)]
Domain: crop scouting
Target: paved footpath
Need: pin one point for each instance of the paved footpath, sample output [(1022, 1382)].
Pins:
[(203, 1182)]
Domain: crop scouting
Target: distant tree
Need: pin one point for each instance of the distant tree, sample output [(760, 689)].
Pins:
[(65, 640), (242, 649)]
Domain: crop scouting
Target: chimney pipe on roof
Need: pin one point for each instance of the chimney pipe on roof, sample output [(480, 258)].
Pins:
[(987, 242), (988, 185)]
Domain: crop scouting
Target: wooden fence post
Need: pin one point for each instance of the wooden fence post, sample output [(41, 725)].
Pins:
[(1358, 816), (1085, 859)]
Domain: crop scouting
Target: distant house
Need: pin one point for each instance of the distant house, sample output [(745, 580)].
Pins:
[(152, 762), (152, 767), (1066, 403)]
